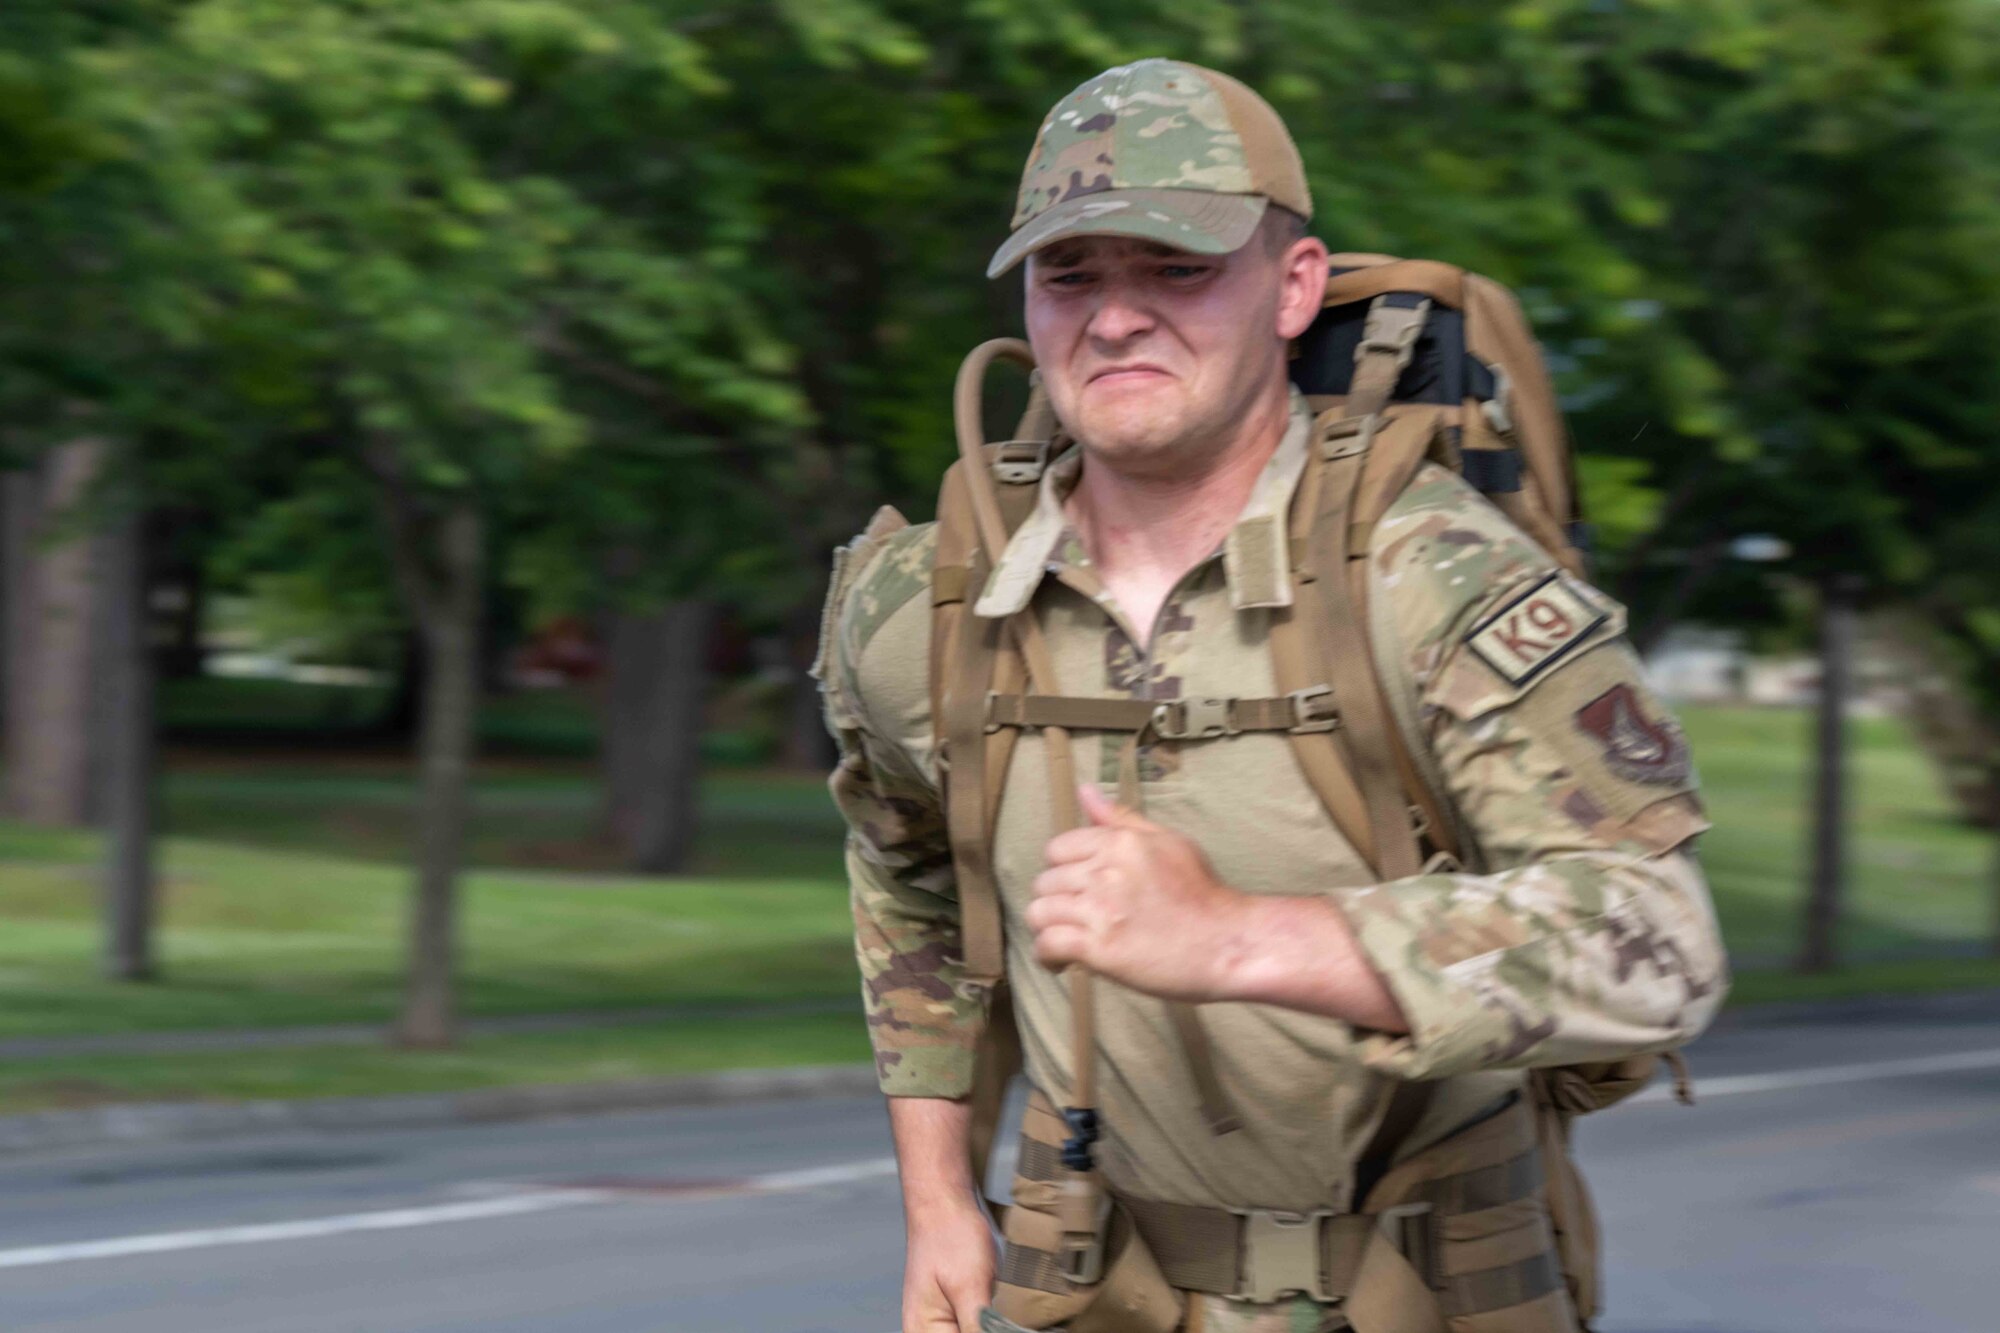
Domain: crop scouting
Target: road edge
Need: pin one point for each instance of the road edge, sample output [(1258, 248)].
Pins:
[(163, 1122)]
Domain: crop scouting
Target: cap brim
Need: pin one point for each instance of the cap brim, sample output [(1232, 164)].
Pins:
[(1200, 221)]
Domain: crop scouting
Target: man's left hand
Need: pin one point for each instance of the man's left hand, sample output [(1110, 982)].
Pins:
[(1135, 902)]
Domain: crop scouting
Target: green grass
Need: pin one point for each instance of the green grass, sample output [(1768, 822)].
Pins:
[(1919, 880), (547, 815), (263, 938), (599, 1056), (284, 891)]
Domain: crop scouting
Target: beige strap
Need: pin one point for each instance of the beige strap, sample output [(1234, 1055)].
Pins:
[(1082, 1252), (1443, 283), (1396, 453), (1309, 708), (1390, 1295), (972, 655), (1341, 634), (1252, 1254), (948, 584), (1388, 341), (1216, 1109)]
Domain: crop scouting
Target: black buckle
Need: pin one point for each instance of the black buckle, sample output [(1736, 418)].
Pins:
[(1083, 1132)]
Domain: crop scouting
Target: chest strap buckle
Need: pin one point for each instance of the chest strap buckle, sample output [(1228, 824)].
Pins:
[(1194, 719), (1313, 709)]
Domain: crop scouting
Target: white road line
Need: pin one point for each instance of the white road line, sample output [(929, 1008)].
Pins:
[(505, 1205), (162, 1242), (1782, 1080), (780, 1182)]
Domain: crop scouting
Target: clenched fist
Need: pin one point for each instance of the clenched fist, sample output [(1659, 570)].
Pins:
[(1137, 903)]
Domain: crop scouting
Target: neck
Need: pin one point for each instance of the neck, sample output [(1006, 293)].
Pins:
[(1159, 525)]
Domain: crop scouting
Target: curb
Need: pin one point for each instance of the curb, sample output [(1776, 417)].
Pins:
[(171, 1122)]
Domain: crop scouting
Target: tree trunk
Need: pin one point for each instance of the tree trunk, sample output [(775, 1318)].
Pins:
[(49, 621), (1935, 699), (1827, 887), (656, 683), (127, 736), (438, 548), (806, 744), (182, 656), (402, 714)]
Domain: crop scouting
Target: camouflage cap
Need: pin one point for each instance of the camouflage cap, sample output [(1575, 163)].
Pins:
[(1160, 150)]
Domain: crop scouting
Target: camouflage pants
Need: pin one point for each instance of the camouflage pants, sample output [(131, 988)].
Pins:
[(1301, 1314)]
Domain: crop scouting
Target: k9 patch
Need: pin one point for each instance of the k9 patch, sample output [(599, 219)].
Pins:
[(1535, 630)]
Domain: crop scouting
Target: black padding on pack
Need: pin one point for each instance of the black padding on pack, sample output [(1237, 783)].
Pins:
[(1491, 471), (1440, 369)]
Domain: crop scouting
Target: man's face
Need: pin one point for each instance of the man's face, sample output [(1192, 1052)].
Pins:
[(1152, 355)]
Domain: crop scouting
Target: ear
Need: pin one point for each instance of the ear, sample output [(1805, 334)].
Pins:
[(1301, 285)]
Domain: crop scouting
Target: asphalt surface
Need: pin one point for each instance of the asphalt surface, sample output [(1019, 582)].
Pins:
[(1815, 1190)]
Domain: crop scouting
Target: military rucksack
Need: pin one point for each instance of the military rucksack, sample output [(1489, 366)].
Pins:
[(1409, 361)]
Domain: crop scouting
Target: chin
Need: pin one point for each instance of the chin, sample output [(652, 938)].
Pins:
[(1132, 430)]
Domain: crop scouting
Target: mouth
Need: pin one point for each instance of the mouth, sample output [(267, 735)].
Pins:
[(1132, 374)]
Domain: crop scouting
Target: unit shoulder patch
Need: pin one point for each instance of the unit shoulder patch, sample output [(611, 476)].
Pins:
[(1535, 629), (1635, 745)]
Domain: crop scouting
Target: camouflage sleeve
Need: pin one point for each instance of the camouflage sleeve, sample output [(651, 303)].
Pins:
[(1591, 935), (924, 1018)]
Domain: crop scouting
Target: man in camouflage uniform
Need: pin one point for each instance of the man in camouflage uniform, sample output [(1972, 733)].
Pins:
[(1163, 218)]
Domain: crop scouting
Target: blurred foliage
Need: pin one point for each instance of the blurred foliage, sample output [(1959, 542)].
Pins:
[(675, 290)]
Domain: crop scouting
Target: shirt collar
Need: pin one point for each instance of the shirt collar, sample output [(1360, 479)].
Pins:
[(1256, 562)]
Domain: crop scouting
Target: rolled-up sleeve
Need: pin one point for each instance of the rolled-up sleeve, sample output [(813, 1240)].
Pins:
[(1590, 935)]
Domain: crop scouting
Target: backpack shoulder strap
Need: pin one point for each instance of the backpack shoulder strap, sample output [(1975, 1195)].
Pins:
[(971, 658), (1355, 463)]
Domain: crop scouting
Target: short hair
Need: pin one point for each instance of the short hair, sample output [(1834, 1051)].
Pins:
[(1280, 228)]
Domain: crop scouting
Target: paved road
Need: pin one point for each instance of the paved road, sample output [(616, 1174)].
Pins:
[(1814, 1191)]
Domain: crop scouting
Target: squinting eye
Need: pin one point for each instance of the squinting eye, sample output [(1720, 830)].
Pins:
[(1183, 270)]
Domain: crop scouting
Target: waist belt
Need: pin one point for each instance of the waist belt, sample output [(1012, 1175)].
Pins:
[(1263, 1254)]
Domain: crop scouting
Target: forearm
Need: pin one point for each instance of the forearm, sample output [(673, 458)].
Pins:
[(1300, 953), (1582, 957), (933, 1157)]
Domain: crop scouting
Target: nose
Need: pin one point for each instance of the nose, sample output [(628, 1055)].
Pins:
[(1121, 313)]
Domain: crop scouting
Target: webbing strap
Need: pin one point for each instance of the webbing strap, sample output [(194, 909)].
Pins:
[(948, 584), (1308, 708), (1224, 1251), (1344, 643), (1395, 454), (1083, 1240), (1503, 1287), (1216, 1109), (972, 656), (1388, 341), (1390, 1295), (1320, 754)]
